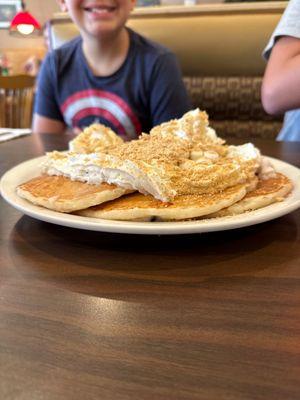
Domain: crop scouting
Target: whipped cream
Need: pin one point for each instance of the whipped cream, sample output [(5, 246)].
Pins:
[(192, 126), (96, 168), (266, 169), (245, 151), (95, 138)]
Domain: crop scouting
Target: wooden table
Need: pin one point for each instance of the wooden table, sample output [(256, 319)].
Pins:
[(88, 315)]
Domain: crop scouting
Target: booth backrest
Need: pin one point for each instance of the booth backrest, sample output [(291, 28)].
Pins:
[(219, 47)]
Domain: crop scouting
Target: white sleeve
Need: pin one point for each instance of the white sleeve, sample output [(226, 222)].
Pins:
[(289, 25)]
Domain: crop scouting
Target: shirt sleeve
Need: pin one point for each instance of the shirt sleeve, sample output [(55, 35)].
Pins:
[(46, 103), (168, 96), (289, 25)]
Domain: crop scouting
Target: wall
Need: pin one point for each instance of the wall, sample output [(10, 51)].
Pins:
[(19, 49), (42, 10)]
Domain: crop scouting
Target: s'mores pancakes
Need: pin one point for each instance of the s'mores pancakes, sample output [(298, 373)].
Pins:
[(180, 170), (166, 163)]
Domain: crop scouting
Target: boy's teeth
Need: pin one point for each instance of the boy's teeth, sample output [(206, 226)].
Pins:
[(99, 9)]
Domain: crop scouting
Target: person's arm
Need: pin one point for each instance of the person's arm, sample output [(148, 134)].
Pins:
[(281, 82), (43, 124), (47, 116), (168, 96)]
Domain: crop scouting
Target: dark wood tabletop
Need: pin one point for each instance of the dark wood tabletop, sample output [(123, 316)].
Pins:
[(90, 315)]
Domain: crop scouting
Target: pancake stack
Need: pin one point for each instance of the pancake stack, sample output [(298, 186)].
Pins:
[(181, 170)]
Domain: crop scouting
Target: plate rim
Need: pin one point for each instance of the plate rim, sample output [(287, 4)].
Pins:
[(276, 210)]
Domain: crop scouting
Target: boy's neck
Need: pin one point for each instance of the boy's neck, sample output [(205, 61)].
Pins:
[(106, 56)]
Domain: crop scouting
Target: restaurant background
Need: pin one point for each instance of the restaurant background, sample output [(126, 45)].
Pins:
[(43, 10), (16, 50), (226, 83)]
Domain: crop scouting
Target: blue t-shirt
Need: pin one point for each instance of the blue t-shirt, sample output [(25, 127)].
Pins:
[(146, 90)]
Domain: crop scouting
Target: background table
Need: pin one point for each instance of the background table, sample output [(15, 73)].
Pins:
[(88, 315)]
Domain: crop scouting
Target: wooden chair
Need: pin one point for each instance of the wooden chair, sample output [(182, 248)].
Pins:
[(16, 101)]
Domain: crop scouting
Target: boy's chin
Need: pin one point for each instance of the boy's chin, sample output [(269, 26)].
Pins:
[(105, 30)]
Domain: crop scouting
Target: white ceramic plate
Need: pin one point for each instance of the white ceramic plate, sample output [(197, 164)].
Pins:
[(29, 169)]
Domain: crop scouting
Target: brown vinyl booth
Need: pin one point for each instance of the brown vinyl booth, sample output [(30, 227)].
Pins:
[(219, 47)]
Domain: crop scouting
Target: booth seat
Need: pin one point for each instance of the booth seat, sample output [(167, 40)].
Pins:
[(219, 47)]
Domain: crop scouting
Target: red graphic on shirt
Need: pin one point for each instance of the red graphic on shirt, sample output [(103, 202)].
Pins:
[(107, 105)]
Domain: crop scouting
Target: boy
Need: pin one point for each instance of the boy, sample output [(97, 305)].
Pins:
[(109, 74), (281, 83)]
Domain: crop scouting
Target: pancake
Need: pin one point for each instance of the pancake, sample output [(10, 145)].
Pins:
[(137, 206), (268, 191), (62, 194)]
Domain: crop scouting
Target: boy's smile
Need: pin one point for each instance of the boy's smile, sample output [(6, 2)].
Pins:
[(98, 17), (101, 10)]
